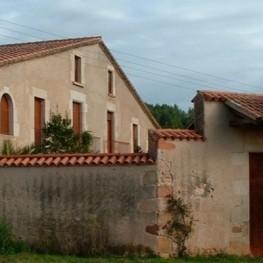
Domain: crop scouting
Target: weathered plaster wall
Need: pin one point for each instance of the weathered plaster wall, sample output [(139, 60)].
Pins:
[(213, 176), (40, 201)]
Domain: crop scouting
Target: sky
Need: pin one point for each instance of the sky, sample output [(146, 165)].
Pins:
[(168, 49)]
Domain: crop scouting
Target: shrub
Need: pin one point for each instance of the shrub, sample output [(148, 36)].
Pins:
[(180, 227), (7, 244), (59, 136)]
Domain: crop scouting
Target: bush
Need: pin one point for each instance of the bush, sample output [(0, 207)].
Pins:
[(60, 138), (7, 244)]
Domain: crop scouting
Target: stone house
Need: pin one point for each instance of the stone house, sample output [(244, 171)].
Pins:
[(78, 76), (217, 167)]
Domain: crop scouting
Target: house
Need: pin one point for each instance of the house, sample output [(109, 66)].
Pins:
[(217, 167), (79, 77)]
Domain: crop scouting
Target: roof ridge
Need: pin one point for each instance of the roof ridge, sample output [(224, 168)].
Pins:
[(230, 92), (177, 134), (19, 52), (51, 40)]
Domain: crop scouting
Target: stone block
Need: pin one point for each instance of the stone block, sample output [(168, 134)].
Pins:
[(164, 145), (152, 229), (147, 192), (164, 245), (162, 204), (163, 218), (164, 190), (149, 205)]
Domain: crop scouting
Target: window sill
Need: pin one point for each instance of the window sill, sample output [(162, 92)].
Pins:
[(111, 95), (78, 84)]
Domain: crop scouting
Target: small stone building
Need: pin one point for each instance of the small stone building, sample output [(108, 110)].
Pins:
[(217, 167)]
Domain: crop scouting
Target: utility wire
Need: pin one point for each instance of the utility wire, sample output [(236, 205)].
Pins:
[(32, 28), (142, 77), (187, 69), (138, 63)]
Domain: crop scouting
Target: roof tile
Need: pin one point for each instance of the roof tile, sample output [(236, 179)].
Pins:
[(249, 103), (75, 159), (177, 134), (13, 53)]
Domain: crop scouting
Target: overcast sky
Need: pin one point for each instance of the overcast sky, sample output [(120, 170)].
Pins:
[(168, 48)]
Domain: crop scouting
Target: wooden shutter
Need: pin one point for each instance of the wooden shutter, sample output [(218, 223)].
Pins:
[(256, 203), (110, 82), (5, 115), (110, 131), (135, 136), (39, 120), (77, 69), (76, 118)]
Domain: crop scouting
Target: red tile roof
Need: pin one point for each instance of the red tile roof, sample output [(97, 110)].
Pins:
[(13, 53), (177, 134), (75, 159), (248, 104)]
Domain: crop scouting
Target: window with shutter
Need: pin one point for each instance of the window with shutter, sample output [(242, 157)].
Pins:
[(5, 115), (76, 118), (78, 69), (39, 120), (110, 128)]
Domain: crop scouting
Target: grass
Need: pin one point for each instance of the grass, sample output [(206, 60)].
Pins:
[(38, 258)]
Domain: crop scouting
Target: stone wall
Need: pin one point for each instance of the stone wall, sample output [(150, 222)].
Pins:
[(48, 204), (212, 176)]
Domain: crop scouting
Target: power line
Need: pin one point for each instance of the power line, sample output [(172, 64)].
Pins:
[(32, 28), (173, 73), (187, 69), (155, 61)]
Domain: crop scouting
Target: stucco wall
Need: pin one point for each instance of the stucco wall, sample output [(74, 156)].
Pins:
[(213, 176), (41, 202)]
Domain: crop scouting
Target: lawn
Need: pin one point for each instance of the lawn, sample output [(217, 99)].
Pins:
[(36, 258)]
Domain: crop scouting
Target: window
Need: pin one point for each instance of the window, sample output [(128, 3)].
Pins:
[(39, 120), (110, 82), (6, 115), (135, 137), (76, 118), (77, 69), (110, 128)]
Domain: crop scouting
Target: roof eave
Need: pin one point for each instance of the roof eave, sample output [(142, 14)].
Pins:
[(129, 84), (238, 108)]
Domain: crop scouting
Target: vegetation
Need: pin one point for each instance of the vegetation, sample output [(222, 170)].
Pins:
[(58, 138), (180, 227), (17, 252), (43, 258), (171, 116), (7, 244)]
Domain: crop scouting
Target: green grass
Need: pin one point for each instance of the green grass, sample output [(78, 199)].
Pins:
[(37, 258)]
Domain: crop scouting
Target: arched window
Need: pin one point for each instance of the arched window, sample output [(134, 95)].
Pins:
[(6, 110)]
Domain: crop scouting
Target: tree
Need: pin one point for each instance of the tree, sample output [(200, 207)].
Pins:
[(171, 116), (59, 136)]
